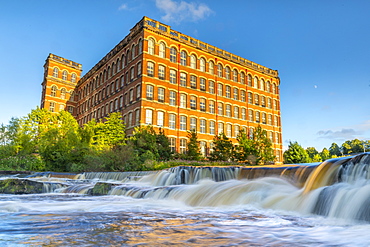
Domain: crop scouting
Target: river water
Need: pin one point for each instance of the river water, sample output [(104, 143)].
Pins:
[(188, 209)]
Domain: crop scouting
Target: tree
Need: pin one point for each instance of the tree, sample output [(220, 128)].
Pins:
[(144, 141), (334, 150), (109, 133), (311, 151), (222, 148), (295, 154), (193, 149), (256, 149), (325, 154), (163, 146)]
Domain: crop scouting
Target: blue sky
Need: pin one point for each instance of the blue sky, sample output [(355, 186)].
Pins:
[(320, 47)]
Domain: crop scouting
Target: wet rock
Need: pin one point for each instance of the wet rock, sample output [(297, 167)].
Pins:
[(20, 186), (101, 189)]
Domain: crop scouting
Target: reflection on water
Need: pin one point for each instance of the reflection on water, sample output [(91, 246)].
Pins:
[(77, 220)]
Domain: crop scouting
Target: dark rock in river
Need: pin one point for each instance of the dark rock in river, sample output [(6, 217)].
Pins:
[(101, 189), (20, 186)]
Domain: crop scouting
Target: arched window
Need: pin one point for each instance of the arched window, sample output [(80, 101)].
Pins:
[(63, 93), (262, 84), (173, 54), (227, 73), (250, 83), (219, 70), (242, 78), (133, 53), (202, 65), (183, 58), (274, 88), (151, 46), (193, 61), (235, 75), (56, 72), (140, 48), (255, 82), (123, 61), (162, 50), (73, 77), (268, 86), (64, 75), (53, 91), (211, 68)]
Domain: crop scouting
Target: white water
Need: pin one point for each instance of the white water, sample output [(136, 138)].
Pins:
[(187, 207)]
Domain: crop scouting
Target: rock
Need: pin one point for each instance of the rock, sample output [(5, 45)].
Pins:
[(101, 189), (20, 186)]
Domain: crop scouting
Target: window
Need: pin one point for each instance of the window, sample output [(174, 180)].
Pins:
[(63, 93), (182, 79), (220, 108), (182, 122), (250, 98), (172, 98), (244, 114), (236, 130), (148, 116), (268, 86), (61, 107), (183, 58), (151, 46), (140, 49), (228, 110), (64, 75), (227, 73), (257, 116), (161, 72), (70, 109), (138, 92), (274, 88), (183, 100), (211, 87), (212, 127), (220, 128), (263, 101), (193, 102), (172, 121), (123, 61), (202, 126), (137, 116), (202, 84), (219, 89), (236, 112), (53, 91), (122, 81), (173, 54), (121, 101), (202, 104), (193, 62), (129, 122), (183, 144), (150, 69), (132, 73), (162, 50), (173, 76), (228, 92), (161, 94), (172, 141), (235, 75), (202, 65), (228, 130), (149, 92), (73, 77), (256, 99), (250, 81), (193, 81), (138, 69), (264, 118), (242, 95), (211, 68), (250, 114), (269, 103), (52, 106), (262, 84), (160, 118), (133, 52), (276, 105), (255, 82), (193, 124), (55, 72), (219, 70), (211, 107), (236, 94)]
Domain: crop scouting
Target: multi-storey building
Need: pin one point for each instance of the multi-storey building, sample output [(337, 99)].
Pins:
[(169, 80)]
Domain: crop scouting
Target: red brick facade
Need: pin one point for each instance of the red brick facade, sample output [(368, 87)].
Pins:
[(161, 77)]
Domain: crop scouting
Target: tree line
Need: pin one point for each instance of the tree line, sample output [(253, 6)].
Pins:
[(45, 141), (297, 154)]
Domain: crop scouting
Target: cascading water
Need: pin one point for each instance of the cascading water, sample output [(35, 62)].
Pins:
[(337, 189)]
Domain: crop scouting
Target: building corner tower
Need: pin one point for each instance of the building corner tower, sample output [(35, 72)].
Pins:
[(59, 83)]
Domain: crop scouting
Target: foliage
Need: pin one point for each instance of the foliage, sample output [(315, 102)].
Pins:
[(335, 150), (223, 148), (295, 154), (163, 146), (193, 148), (325, 154)]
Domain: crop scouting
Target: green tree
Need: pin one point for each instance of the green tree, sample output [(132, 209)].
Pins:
[(325, 154), (163, 146), (193, 149), (335, 150), (144, 141), (107, 134), (295, 154), (223, 148)]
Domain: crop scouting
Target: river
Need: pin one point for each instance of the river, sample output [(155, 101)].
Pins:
[(196, 207)]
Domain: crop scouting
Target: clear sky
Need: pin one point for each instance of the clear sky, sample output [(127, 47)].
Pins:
[(320, 48)]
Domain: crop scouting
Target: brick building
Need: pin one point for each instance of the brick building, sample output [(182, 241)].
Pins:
[(169, 80)]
